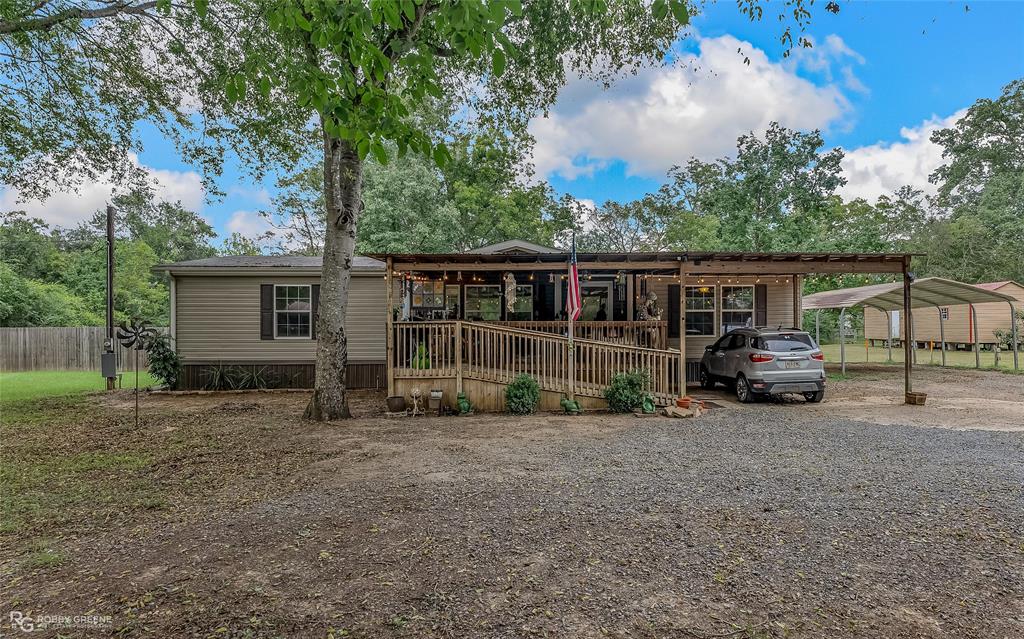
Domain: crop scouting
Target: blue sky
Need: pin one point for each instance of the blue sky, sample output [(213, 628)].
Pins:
[(881, 76)]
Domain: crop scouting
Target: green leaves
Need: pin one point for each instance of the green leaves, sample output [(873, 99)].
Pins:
[(661, 8), (498, 62), (234, 88), (441, 155), (680, 11)]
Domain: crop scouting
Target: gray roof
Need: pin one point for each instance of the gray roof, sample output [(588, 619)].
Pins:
[(513, 246), (297, 262)]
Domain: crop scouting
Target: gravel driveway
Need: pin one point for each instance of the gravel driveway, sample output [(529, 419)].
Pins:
[(769, 521)]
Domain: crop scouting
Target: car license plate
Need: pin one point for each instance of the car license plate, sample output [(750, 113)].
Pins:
[(792, 364)]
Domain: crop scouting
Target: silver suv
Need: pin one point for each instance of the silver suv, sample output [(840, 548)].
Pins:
[(763, 361)]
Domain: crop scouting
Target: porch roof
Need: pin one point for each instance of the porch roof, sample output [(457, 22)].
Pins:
[(697, 262)]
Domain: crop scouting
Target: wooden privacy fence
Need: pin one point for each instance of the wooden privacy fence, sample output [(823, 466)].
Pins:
[(646, 333), (73, 348), (496, 353)]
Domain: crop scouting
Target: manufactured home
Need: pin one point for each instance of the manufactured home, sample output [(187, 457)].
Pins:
[(958, 321), (470, 322)]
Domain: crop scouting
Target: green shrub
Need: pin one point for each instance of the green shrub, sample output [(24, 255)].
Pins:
[(421, 358), (627, 391), (164, 363), (219, 377), (522, 395)]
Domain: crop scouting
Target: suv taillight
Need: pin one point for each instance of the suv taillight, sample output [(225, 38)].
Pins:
[(760, 358), (818, 356)]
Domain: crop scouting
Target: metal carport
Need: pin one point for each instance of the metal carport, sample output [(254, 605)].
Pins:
[(924, 293)]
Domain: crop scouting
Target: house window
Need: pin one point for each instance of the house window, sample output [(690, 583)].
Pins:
[(428, 294), (522, 309), (452, 301), (293, 311), (700, 310), (944, 313), (737, 307), (483, 302)]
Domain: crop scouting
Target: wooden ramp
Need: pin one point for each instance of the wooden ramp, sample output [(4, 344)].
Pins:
[(426, 354)]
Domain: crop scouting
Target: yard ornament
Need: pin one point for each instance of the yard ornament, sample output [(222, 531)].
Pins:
[(510, 292), (135, 336), (650, 310)]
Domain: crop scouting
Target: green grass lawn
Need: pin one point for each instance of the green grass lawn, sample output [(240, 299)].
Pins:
[(856, 353), (29, 385)]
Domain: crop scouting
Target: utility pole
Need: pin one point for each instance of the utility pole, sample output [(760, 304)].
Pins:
[(108, 362)]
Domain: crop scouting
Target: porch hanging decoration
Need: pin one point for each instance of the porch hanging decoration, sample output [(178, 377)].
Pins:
[(135, 336), (510, 292), (650, 310)]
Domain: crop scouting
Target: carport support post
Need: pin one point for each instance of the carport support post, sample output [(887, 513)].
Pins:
[(1013, 334), (908, 355), (817, 327), (977, 346), (942, 334), (888, 333), (842, 340), (389, 294)]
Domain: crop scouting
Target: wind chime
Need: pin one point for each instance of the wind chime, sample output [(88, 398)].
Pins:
[(135, 336)]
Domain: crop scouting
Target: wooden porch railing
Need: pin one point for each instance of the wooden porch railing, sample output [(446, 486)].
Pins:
[(646, 334), (495, 353)]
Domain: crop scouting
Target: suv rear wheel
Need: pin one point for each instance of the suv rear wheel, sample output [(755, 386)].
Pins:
[(814, 396), (743, 392), (706, 381)]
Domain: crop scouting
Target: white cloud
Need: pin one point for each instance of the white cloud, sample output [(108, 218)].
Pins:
[(248, 223), (260, 195), (881, 168), (67, 208), (697, 107)]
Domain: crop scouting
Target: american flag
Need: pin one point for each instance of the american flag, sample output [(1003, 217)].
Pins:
[(574, 301)]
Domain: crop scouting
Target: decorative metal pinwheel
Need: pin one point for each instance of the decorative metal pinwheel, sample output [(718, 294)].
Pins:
[(135, 336)]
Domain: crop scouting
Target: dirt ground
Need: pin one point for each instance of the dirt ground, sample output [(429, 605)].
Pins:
[(227, 516)]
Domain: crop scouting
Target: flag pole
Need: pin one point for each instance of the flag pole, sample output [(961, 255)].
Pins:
[(572, 347)]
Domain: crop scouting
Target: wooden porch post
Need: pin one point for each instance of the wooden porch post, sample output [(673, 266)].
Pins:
[(458, 356), (389, 295), (908, 356), (570, 347), (798, 301), (682, 329)]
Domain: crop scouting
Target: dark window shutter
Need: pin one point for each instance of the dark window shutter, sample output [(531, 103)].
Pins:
[(673, 310), (315, 301), (266, 311), (760, 305)]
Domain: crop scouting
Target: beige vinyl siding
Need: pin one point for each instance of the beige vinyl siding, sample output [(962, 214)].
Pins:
[(218, 319), (779, 312), (992, 316)]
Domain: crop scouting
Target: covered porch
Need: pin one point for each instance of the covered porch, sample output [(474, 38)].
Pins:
[(472, 322)]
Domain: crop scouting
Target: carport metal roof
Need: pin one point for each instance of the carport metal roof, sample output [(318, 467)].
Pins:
[(925, 292)]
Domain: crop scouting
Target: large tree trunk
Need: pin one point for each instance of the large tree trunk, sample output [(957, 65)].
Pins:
[(343, 186)]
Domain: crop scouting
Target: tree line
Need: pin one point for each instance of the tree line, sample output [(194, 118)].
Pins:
[(778, 192)]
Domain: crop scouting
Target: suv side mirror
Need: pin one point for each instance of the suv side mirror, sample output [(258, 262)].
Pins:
[(709, 348)]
